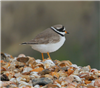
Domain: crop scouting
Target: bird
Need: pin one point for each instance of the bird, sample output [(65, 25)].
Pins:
[(49, 40)]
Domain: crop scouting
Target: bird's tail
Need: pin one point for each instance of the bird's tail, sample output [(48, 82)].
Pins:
[(24, 43)]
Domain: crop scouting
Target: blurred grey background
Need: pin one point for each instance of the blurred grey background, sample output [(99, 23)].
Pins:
[(23, 20)]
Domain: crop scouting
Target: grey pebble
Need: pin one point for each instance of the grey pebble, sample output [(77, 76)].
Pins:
[(45, 71), (64, 68), (5, 57), (41, 81)]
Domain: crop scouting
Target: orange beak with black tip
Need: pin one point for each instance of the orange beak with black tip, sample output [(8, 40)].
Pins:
[(66, 32)]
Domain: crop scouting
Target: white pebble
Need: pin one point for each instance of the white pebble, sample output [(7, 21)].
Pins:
[(48, 64), (36, 86), (27, 69), (13, 80)]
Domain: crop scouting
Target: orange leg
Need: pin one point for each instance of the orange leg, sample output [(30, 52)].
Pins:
[(49, 55), (42, 57)]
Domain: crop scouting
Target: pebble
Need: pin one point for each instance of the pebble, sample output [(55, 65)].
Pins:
[(6, 57), (41, 81), (45, 71), (64, 68), (48, 64), (4, 77), (36, 86), (23, 59), (26, 72), (97, 83), (27, 69)]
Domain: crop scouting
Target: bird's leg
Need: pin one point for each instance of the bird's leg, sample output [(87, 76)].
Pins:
[(49, 55), (42, 57)]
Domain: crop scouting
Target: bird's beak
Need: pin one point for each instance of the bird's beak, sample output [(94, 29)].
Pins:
[(66, 32)]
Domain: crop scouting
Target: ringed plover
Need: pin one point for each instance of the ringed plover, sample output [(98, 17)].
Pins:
[(49, 40)]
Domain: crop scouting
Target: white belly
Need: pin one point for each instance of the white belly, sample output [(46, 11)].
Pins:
[(44, 48)]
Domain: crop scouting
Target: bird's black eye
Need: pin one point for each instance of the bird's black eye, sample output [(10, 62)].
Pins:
[(62, 29)]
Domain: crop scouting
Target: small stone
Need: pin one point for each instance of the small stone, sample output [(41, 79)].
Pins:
[(38, 61), (71, 85), (64, 68), (2, 62), (56, 69), (97, 83), (56, 62), (41, 81), (6, 84), (34, 75), (22, 59), (87, 82), (4, 77), (0, 84), (84, 75), (69, 79), (27, 69), (86, 68), (13, 80), (90, 86), (3, 69), (23, 84), (37, 69), (75, 66), (77, 78), (52, 86), (48, 76), (62, 74), (48, 64), (6, 57), (55, 74), (36, 86), (21, 55), (70, 71), (45, 71), (65, 63)]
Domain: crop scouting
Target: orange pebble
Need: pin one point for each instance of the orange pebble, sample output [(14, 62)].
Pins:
[(70, 71), (37, 69), (87, 82), (55, 74), (1, 61)]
